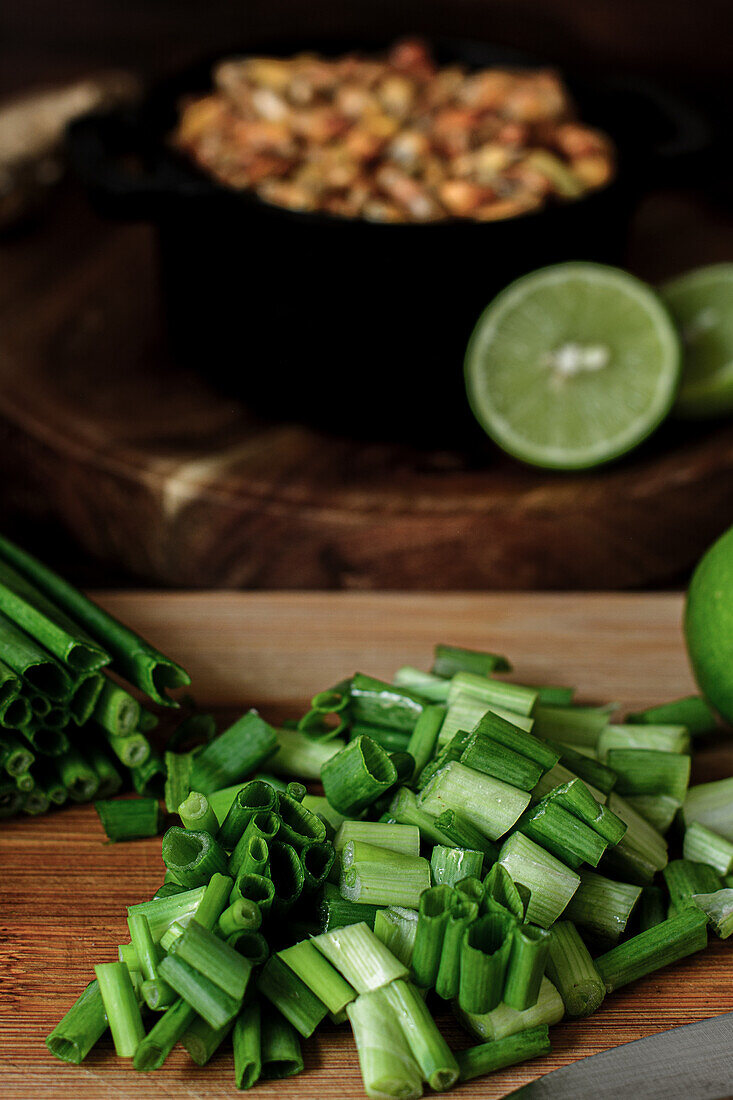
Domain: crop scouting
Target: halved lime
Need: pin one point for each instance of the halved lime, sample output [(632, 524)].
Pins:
[(701, 303), (572, 365)]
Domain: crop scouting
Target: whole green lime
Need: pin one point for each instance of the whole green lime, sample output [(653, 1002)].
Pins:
[(709, 624)]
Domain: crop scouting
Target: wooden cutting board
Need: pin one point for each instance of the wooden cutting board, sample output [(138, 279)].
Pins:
[(64, 890), (150, 469)]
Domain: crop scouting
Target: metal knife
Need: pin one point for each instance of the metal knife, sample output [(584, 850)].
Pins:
[(694, 1062)]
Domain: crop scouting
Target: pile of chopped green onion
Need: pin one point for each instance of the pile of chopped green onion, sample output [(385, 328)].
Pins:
[(68, 730), (478, 844)]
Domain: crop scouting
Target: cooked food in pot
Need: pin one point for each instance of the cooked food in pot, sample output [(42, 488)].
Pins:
[(394, 139)]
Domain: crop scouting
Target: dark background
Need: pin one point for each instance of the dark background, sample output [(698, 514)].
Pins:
[(683, 46)]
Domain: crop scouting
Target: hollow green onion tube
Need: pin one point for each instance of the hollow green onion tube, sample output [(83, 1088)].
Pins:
[(138, 662), (116, 710), (711, 804), (252, 945), (256, 857), (376, 703), (388, 1066), (31, 661), (25, 782), (683, 878), (405, 811), (434, 907), (291, 996), (462, 914), (705, 846), (390, 740), (79, 779), (163, 912), (336, 912), (203, 995), (398, 838), (424, 736), (48, 781), (265, 825), (645, 771), (121, 1007), (213, 901), (215, 959), (149, 955), (82, 1026), (357, 776), (452, 750), (280, 1051), (317, 860), (489, 804), (35, 802), (550, 883), (254, 888), (396, 927), (10, 684), (15, 713), (242, 915), (298, 826), (449, 659), (504, 1021), (246, 1043), (178, 767), (286, 872), (576, 798), (654, 738), (493, 693), (17, 756), (231, 756), (599, 778), (193, 857), (572, 971), (84, 697), (641, 852), (388, 882), (487, 756), (425, 684), (254, 797), (673, 939), (485, 955), (45, 741), (652, 907), (527, 961), (197, 815), (109, 780), (129, 818), (132, 751), (437, 1064), (300, 755), (499, 886), (506, 732), (718, 908), (360, 957), (11, 800), (658, 809), (692, 712), (602, 906), (317, 973), (462, 834), (571, 725), (202, 1041), (563, 834), (487, 1058), (450, 865)]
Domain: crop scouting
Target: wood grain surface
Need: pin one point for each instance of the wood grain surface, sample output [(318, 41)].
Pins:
[(64, 890), (151, 470)]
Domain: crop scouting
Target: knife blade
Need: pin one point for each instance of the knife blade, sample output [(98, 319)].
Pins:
[(693, 1062)]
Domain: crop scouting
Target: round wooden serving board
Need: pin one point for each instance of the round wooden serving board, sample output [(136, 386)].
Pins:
[(150, 469)]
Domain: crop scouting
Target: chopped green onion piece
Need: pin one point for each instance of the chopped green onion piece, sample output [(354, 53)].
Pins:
[(148, 778), (196, 814), (133, 751), (36, 802), (718, 908), (320, 806), (463, 834), (465, 712), (388, 1068), (193, 857), (252, 798), (655, 738), (462, 914), (298, 826), (18, 758), (291, 996), (577, 798), (598, 777), (602, 906), (390, 740), (645, 771), (683, 878), (563, 834), (246, 1041), (529, 953), (121, 1007), (265, 825), (489, 804), (658, 809), (317, 861), (471, 889), (487, 1058), (692, 712), (127, 954), (711, 804), (511, 736), (437, 1064), (642, 850), (376, 703), (129, 818), (109, 780), (163, 912), (398, 881), (256, 888), (362, 958), (424, 737), (500, 886), (202, 1041), (504, 1021), (396, 927), (572, 725), (286, 872), (79, 779), (493, 693), (450, 659), (215, 959), (160, 1040), (357, 775), (116, 710), (336, 912), (705, 846), (485, 951), (652, 907), (551, 884), (490, 757), (450, 865), (397, 838), (279, 1048), (318, 974), (572, 971), (82, 1026), (203, 995), (434, 905), (252, 945), (302, 756), (148, 956), (673, 939), (178, 767), (213, 901), (404, 809), (241, 914), (426, 684), (234, 754)]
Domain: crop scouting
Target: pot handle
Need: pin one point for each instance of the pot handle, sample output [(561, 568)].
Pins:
[(106, 154)]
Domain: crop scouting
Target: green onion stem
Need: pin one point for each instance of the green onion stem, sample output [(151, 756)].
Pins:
[(291, 996), (487, 1058), (396, 927), (129, 818), (79, 779), (705, 846), (121, 1007), (163, 1036), (692, 712), (646, 771), (317, 973), (376, 703), (437, 1064), (489, 804), (81, 1027), (193, 857), (388, 1066), (202, 1041), (504, 1021), (434, 907), (652, 907), (360, 957), (265, 825), (386, 882), (485, 952), (602, 906), (572, 971), (711, 804), (302, 756), (450, 865), (253, 798), (234, 754), (196, 814), (116, 710), (550, 883), (426, 684), (424, 737), (673, 939), (242, 914), (450, 659), (527, 961), (357, 775), (460, 916), (206, 998), (279, 1047), (246, 1042), (683, 878)]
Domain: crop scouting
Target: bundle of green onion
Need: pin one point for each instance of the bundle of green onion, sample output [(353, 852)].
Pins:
[(67, 729), (478, 843)]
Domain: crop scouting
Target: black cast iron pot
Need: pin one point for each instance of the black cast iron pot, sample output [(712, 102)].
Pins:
[(350, 324)]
